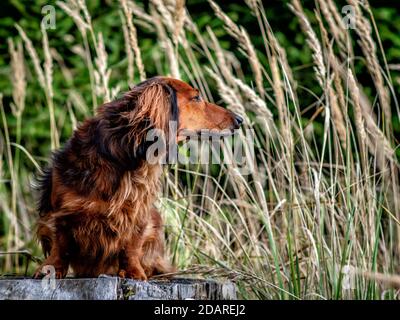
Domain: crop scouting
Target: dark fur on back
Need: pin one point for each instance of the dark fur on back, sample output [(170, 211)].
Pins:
[(43, 184)]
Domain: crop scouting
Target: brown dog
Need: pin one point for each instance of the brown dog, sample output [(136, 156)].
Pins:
[(96, 203)]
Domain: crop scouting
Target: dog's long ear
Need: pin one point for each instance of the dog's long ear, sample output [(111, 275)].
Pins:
[(152, 110), (120, 134)]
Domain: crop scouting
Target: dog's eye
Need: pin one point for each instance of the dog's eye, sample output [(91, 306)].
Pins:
[(196, 99)]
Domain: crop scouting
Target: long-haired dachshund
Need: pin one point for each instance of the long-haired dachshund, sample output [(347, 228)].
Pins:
[(96, 197)]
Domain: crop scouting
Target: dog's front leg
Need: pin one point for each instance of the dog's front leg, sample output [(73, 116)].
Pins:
[(58, 258), (130, 256)]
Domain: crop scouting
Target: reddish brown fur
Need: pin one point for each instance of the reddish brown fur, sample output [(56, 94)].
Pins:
[(96, 206)]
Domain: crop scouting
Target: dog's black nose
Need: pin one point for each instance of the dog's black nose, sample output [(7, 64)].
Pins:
[(238, 121)]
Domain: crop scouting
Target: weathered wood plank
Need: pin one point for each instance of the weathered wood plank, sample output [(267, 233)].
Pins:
[(179, 289), (66, 289), (113, 288)]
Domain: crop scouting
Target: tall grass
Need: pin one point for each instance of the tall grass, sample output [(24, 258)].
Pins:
[(319, 216)]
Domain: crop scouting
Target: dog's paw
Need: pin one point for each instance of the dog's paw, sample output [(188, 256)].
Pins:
[(49, 271), (38, 274), (135, 274)]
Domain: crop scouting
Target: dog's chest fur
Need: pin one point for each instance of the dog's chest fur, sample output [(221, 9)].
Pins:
[(107, 226)]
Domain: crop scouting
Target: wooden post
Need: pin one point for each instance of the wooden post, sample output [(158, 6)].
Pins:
[(113, 288)]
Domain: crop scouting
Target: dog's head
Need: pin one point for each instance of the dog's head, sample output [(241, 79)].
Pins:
[(195, 114), (152, 104)]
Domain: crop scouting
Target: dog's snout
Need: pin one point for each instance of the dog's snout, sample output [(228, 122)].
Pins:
[(238, 120)]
